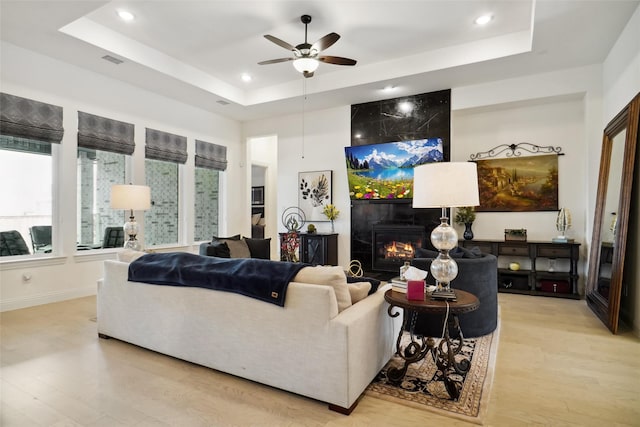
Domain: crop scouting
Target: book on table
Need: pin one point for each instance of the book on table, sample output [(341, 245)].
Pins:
[(399, 285)]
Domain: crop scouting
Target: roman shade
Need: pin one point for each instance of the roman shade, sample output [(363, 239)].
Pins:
[(101, 133), (26, 118), (165, 146), (211, 156)]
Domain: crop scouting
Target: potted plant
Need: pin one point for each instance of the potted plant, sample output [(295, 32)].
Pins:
[(331, 212), (466, 215)]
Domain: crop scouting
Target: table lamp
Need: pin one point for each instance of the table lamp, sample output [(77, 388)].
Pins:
[(131, 197), (445, 185)]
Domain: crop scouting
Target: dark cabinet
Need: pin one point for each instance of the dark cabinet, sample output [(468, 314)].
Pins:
[(553, 279), (319, 249)]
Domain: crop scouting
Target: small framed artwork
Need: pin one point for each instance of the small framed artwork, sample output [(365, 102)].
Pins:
[(257, 195), (314, 193)]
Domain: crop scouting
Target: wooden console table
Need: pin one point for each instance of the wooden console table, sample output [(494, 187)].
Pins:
[(534, 281)]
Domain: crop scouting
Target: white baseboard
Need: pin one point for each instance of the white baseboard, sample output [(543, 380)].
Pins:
[(46, 298)]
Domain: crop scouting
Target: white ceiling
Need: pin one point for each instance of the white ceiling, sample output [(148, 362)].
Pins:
[(196, 51)]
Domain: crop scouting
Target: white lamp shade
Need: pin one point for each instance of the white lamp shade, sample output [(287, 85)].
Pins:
[(306, 64), (445, 185), (133, 197)]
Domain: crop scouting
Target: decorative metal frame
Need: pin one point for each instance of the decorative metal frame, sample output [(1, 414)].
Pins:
[(515, 150)]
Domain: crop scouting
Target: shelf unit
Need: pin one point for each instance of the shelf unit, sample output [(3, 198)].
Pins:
[(534, 281), (319, 249)]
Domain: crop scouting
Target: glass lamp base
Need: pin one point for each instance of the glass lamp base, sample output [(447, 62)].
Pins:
[(133, 244)]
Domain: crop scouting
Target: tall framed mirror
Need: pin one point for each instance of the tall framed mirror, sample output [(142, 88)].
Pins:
[(611, 218)]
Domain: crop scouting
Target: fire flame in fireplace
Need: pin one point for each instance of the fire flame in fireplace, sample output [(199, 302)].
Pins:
[(398, 250)]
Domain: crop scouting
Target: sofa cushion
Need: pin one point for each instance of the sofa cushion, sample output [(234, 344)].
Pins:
[(218, 248), (259, 248), (234, 237), (129, 255), (373, 282), (238, 248), (359, 291), (426, 253), (457, 252), (332, 276)]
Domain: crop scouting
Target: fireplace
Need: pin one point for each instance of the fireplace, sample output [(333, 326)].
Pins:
[(393, 244)]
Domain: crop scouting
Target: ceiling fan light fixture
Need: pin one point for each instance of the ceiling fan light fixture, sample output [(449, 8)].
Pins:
[(308, 65)]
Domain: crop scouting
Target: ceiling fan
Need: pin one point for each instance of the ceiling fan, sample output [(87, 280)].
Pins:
[(306, 57)]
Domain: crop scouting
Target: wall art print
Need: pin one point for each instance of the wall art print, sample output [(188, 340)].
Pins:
[(314, 193), (518, 184)]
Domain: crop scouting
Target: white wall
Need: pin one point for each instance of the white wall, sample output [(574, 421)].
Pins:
[(326, 134), (556, 122), (547, 109), (263, 151), (38, 77), (621, 69)]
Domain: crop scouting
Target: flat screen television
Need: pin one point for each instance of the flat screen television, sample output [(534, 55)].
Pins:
[(385, 171)]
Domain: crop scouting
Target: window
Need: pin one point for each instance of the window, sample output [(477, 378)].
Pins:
[(161, 221), (104, 147), (210, 160), (29, 131), (26, 187), (206, 204), (164, 153), (97, 172)]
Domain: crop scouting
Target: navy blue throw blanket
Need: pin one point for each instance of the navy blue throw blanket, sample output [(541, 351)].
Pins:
[(256, 278)]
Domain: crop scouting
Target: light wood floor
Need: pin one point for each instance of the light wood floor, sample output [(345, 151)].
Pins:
[(556, 365)]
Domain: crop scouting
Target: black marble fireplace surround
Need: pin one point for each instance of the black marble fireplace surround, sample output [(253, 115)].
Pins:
[(428, 116), (369, 215)]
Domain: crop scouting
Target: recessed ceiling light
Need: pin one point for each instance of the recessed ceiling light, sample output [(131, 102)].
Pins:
[(483, 19), (246, 78), (125, 15), (405, 107), (388, 88)]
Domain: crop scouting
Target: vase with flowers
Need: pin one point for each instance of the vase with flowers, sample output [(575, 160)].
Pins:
[(331, 212), (466, 215)]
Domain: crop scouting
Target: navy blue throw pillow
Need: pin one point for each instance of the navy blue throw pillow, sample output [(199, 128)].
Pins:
[(218, 249), (259, 248)]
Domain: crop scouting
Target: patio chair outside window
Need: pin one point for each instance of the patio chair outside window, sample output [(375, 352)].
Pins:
[(12, 243), (40, 238), (113, 237)]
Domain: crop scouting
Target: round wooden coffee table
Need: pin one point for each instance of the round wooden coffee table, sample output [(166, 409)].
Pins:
[(444, 354)]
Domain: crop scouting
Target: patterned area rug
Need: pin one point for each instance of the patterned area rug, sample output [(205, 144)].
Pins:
[(423, 387)]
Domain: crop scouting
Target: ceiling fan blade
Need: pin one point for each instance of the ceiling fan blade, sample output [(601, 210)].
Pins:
[(281, 43), (326, 41), (275, 61), (337, 60)]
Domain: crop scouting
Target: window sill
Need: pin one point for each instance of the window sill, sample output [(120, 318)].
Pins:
[(168, 248), (96, 255), (31, 261)]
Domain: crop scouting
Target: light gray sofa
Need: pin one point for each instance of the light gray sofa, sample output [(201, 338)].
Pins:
[(308, 347)]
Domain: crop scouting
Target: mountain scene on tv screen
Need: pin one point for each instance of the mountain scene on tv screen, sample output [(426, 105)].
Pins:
[(385, 171)]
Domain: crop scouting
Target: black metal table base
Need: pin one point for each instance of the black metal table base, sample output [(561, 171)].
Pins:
[(443, 354)]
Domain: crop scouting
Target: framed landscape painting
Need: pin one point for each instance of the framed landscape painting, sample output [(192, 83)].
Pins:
[(518, 184), (314, 193)]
